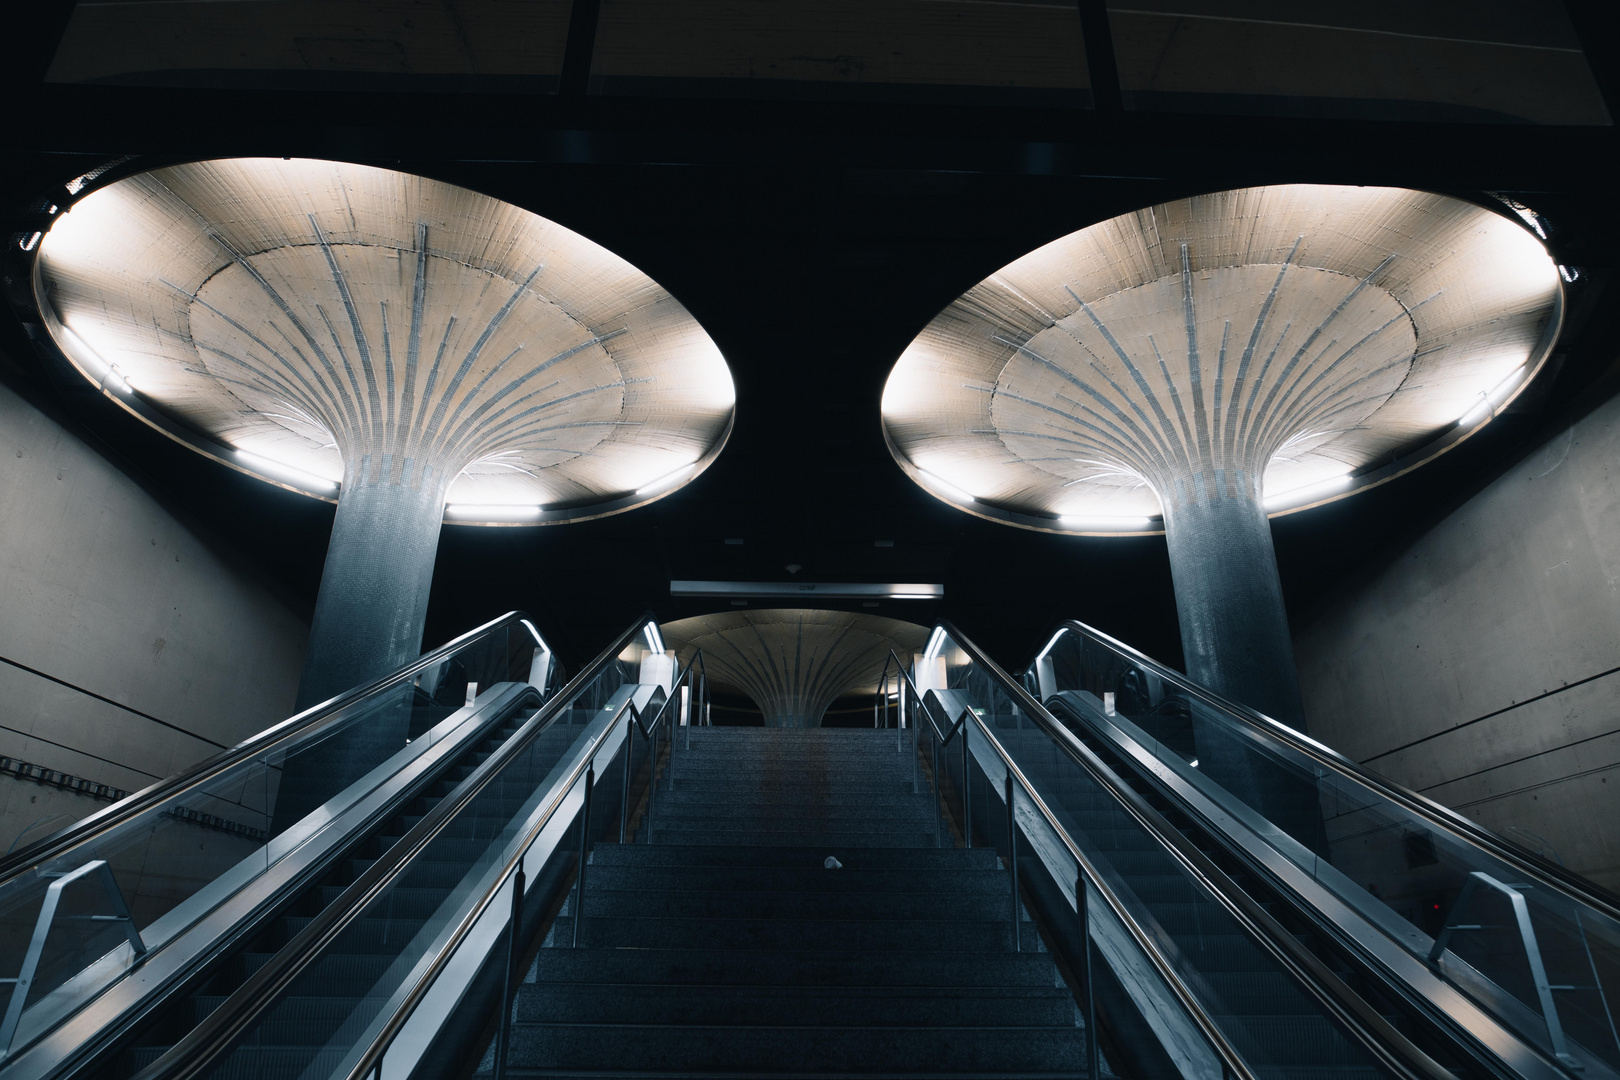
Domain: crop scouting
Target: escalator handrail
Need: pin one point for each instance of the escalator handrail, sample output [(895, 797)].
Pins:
[(332, 710), (1231, 1060), (1442, 818), (217, 1034), (1363, 1022)]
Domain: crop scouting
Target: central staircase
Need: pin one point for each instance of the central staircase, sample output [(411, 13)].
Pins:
[(722, 944)]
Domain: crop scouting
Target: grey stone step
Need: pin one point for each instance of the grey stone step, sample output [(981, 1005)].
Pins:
[(844, 1006), (768, 799), (803, 879), (782, 1050), (762, 904), (719, 815), (805, 838), (841, 967), (886, 936), (773, 855)]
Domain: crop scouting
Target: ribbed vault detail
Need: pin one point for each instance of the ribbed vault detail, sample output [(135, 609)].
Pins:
[(1236, 344), (793, 663), (371, 326)]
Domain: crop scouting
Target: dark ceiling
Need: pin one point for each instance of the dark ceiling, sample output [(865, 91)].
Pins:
[(812, 240)]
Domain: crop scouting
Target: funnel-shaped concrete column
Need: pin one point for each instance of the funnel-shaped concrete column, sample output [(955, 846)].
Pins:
[(1196, 365), (374, 590), (1234, 630), (317, 323), (793, 663)]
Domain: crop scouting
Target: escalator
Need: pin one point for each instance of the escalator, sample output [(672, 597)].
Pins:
[(126, 932), (401, 932), (1325, 921)]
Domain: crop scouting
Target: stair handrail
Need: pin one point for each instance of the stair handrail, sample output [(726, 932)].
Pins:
[(332, 711), (1324, 986), (944, 735), (203, 1045), (699, 699), (1522, 860)]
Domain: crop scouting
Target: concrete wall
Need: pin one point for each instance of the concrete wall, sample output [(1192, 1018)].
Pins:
[(1482, 666), (103, 589)]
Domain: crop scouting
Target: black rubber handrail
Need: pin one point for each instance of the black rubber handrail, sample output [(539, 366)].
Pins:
[(1522, 860), (200, 1048), (1361, 1020), (327, 712)]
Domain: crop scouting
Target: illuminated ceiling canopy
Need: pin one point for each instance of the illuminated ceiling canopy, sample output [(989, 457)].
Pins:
[(316, 322), (794, 662), (1294, 342)]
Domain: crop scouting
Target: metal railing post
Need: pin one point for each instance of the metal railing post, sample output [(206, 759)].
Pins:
[(967, 788), (1532, 953), (882, 694), (939, 801), (584, 852), (503, 1033), (1012, 861), (1087, 987), (629, 753), (686, 711), (42, 928), (899, 714), (652, 778), (916, 764)]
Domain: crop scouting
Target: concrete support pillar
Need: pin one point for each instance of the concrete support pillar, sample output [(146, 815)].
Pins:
[(368, 621), (1234, 633), (374, 590), (1234, 627)]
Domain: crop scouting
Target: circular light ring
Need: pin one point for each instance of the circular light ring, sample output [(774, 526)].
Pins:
[(335, 320), (1339, 336)]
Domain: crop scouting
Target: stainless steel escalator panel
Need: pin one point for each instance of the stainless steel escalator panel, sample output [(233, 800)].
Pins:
[(1418, 856)]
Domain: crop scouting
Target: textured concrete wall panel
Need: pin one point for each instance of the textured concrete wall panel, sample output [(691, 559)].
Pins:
[(1480, 666), (101, 588)]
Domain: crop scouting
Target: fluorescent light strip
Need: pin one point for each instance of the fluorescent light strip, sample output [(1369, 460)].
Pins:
[(936, 641), (1307, 492), (494, 511), (1080, 521), (655, 640), (1488, 400), (285, 472), (944, 488), (665, 480), (842, 590)]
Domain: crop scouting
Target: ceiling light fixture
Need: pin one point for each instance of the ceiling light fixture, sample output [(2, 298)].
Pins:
[(493, 511), (665, 480), (1308, 491), (1489, 399), (1087, 521), (285, 472), (941, 487)]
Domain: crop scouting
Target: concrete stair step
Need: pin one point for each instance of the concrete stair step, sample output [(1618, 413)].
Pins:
[(877, 936), (840, 967), (840, 1006), (803, 879), (805, 838), (789, 857), (762, 904), (785, 1050)]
